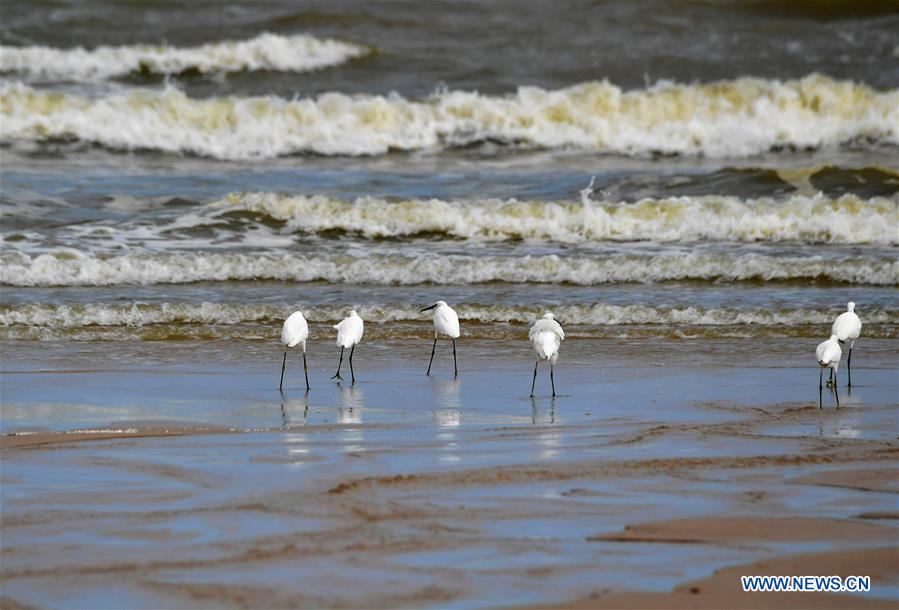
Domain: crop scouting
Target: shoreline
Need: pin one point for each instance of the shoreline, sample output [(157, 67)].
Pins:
[(184, 478)]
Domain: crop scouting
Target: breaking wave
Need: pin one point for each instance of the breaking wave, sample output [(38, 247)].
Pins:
[(299, 53), (140, 314), (735, 118), (69, 267), (816, 219)]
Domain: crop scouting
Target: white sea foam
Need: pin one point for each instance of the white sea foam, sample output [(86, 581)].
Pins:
[(70, 267), (137, 315), (816, 219), (730, 118), (298, 53), (271, 221)]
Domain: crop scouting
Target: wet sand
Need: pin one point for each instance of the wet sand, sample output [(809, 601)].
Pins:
[(722, 589), (173, 481)]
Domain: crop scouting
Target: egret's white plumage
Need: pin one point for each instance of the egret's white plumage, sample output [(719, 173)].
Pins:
[(847, 327), (294, 332), (349, 333), (546, 337), (349, 330), (446, 322), (828, 354)]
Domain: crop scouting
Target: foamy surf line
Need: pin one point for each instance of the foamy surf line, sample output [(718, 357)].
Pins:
[(732, 118), (68, 267), (807, 219), (275, 220), (298, 53), (138, 315)]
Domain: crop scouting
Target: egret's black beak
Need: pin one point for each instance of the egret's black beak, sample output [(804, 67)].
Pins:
[(431, 307)]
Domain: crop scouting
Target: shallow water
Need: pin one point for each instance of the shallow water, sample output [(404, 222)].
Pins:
[(234, 384), (483, 472)]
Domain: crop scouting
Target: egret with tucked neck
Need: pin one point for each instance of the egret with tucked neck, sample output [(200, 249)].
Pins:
[(294, 332), (446, 322), (828, 354), (349, 333), (546, 337)]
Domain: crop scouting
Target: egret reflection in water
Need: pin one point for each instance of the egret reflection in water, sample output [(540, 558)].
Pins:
[(448, 417), (352, 405), (294, 410), (448, 402), (546, 433)]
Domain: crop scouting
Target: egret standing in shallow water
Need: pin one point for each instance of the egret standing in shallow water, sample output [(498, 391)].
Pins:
[(847, 327), (349, 333), (828, 355), (546, 336), (446, 322), (294, 332)]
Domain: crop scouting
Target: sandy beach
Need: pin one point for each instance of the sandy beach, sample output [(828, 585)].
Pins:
[(633, 488)]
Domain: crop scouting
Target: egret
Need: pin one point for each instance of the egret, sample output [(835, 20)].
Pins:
[(828, 355), (847, 327), (446, 322), (546, 336), (349, 333), (294, 332)]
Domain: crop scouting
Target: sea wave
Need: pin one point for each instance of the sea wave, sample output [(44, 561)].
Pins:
[(69, 267), (298, 53), (734, 118), (598, 314), (815, 219), (272, 220)]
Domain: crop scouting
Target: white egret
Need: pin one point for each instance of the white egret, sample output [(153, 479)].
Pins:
[(847, 327), (294, 332), (828, 355), (349, 333), (446, 322), (546, 336)]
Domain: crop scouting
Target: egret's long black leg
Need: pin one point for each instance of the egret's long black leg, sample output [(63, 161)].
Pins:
[(830, 379), (305, 370), (836, 394), (534, 381), (551, 380), (339, 364), (433, 349), (455, 367), (849, 368), (820, 388), (352, 373), (283, 366)]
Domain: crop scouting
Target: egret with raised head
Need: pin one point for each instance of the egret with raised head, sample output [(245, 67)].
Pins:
[(294, 332), (847, 327), (446, 322), (546, 337), (349, 333), (828, 354)]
